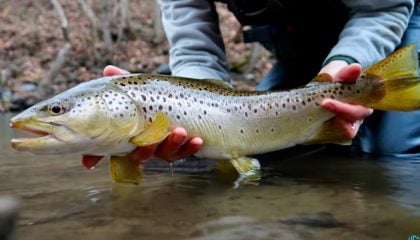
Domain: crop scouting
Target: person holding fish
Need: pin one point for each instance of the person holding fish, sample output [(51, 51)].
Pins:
[(332, 38)]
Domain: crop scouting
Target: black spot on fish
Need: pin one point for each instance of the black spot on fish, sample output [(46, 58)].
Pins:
[(151, 108), (241, 131), (178, 117), (255, 110), (170, 108), (160, 107)]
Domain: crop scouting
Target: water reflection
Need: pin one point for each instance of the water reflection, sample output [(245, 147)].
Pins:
[(322, 194)]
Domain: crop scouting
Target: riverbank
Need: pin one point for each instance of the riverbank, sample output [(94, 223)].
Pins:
[(31, 37)]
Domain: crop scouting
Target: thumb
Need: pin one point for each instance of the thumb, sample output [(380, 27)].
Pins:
[(111, 70), (349, 73)]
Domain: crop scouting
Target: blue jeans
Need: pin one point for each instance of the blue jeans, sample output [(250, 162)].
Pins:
[(383, 132)]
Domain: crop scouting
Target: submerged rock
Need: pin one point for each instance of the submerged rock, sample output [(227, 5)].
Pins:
[(241, 227), (8, 216), (321, 220)]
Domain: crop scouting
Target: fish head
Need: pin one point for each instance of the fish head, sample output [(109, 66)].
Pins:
[(81, 120)]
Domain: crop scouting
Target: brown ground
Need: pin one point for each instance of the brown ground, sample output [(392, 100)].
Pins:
[(30, 38)]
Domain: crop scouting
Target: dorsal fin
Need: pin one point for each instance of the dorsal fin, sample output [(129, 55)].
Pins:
[(219, 83), (322, 77), (402, 63)]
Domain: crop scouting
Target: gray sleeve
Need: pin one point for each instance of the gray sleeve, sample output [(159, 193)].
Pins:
[(374, 29), (196, 44)]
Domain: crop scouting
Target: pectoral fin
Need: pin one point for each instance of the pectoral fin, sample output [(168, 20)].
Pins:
[(330, 132), (156, 132), (122, 169)]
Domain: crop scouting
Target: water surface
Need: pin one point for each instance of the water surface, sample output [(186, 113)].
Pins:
[(322, 194)]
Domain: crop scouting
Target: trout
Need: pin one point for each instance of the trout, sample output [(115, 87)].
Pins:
[(111, 116)]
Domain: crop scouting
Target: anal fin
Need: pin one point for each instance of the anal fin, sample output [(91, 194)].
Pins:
[(330, 132), (122, 169), (240, 168)]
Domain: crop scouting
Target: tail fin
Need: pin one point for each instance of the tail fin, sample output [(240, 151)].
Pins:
[(396, 83)]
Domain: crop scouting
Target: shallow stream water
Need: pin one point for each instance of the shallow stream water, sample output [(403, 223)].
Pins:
[(322, 194)]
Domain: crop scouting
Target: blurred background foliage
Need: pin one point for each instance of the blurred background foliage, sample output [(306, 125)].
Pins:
[(48, 46)]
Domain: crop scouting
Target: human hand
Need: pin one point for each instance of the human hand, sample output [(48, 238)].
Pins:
[(347, 115), (174, 147)]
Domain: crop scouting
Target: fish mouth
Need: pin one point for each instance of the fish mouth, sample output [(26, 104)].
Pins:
[(30, 129), (40, 130)]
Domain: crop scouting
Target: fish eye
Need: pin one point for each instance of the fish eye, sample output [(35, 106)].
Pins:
[(56, 109)]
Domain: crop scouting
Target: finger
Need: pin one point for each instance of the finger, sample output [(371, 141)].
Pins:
[(349, 73), (349, 112), (333, 67), (141, 154), (171, 144), (188, 149), (350, 128), (113, 70)]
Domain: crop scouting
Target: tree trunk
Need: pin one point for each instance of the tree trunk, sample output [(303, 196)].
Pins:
[(106, 33)]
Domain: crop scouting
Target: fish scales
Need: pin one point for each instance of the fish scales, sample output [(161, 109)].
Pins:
[(234, 122)]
